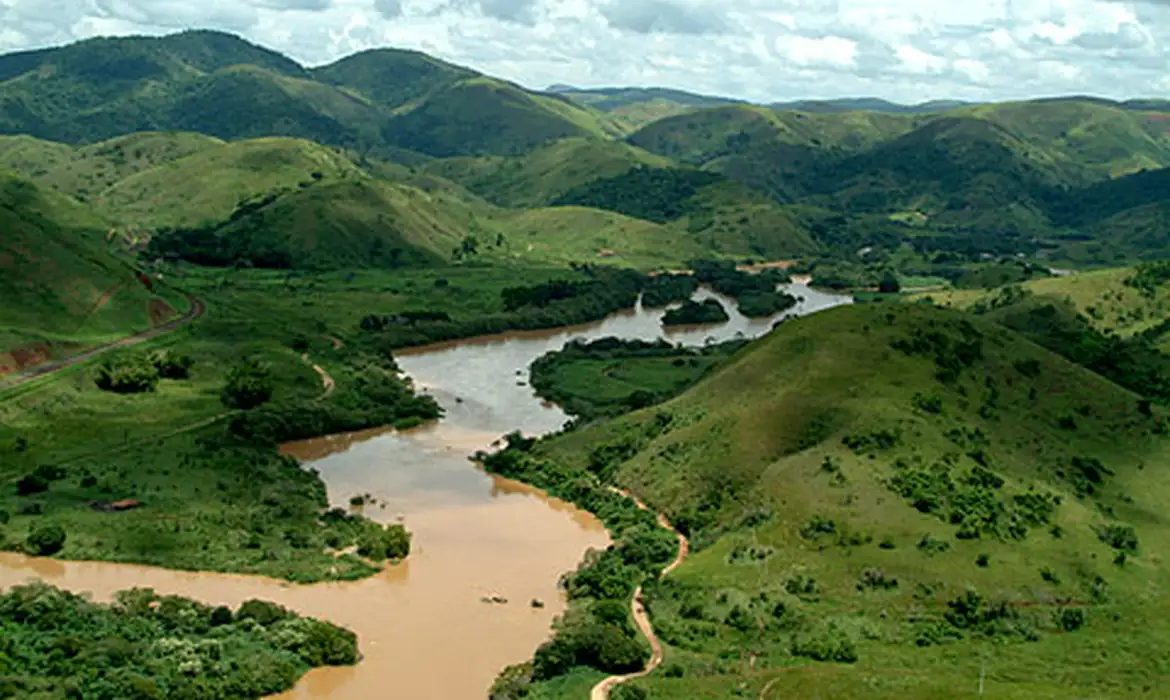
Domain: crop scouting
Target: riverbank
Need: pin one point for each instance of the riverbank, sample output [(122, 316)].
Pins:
[(480, 535)]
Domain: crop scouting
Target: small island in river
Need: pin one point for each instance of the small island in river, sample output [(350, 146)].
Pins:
[(693, 312)]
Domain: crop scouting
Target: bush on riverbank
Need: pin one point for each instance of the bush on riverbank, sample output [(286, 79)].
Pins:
[(56, 644), (667, 289), (598, 631)]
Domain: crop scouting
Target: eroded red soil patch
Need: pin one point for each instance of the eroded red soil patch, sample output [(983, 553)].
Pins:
[(160, 312)]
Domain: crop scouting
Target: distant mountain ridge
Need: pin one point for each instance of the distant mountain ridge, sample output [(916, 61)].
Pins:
[(837, 174)]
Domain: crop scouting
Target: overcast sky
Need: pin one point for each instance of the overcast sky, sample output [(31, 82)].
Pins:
[(762, 50)]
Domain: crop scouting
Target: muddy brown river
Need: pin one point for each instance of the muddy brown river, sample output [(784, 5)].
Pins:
[(424, 631)]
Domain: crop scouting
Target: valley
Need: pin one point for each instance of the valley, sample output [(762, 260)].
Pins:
[(820, 398)]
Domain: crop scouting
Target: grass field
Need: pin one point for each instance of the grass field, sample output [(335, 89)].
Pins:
[(842, 499), (1101, 295)]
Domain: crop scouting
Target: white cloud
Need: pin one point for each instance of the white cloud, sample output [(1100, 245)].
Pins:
[(915, 60), (904, 50), (819, 51)]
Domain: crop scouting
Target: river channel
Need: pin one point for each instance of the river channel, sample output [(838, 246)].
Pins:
[(424, 629)]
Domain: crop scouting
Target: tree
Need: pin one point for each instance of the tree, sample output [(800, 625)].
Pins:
[(248, 386), (46, 540), (889, 284)]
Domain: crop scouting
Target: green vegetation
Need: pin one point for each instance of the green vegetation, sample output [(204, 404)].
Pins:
[(590, 294), (57, 644), (609, 376), (61, 283), (597, 632), (934, 511), (695, 312)]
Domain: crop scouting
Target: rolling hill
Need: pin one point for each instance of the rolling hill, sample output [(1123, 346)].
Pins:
[(220, 85), (88, 171), (353, 222), (1075, 179), (542, 176), (636, 107), (884, 500), (61, 283), (209, 184)]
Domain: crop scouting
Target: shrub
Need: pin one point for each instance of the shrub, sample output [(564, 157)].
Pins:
[(877, 580), (828, 643), (127, 376), (171, 365), (221, 616), (628, 692), (32, 484), (817, 526), (391, 542), (1070, 619), (983, 561), (263, 612), (928, 403), (1119, 537), (248, 386), (46, 540)]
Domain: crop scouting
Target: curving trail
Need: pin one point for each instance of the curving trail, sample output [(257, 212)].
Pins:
[(327, 383), (602, 690), (197, 309)]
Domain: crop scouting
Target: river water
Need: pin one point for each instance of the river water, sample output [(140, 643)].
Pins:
[(424, 629)]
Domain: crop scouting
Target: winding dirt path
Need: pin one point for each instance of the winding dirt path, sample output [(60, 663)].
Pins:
[(327, 383), (602, 690), (197, 309)]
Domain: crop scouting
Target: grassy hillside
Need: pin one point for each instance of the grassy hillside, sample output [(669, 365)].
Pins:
[(87, 171), (548, 172), (720, 215), (483, 116), (637, 107), (579, 234), (348, 223), (208, 185), (61, 283), (884, 500), (1102, 296)]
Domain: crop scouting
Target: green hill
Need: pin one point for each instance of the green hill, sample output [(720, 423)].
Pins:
[(87, 171), (483, 116), (392, 77), (220, 85), (61, 284), (208, 185), (637, 107), (580, 234), (540, 177), (353, 222), (720, 215), (887, 501)]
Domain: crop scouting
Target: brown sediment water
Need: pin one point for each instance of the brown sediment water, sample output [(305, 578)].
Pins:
[(424, 631)]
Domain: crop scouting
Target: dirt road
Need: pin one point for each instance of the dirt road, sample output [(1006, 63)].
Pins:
[(197, 309), (602, 690)]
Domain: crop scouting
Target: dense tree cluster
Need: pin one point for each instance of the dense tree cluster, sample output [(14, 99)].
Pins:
[(643, 192), (695, 312), (135, 374), (529, 307), (56, 644)]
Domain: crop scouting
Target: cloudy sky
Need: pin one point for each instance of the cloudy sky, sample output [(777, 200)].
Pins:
[(763, 50)]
